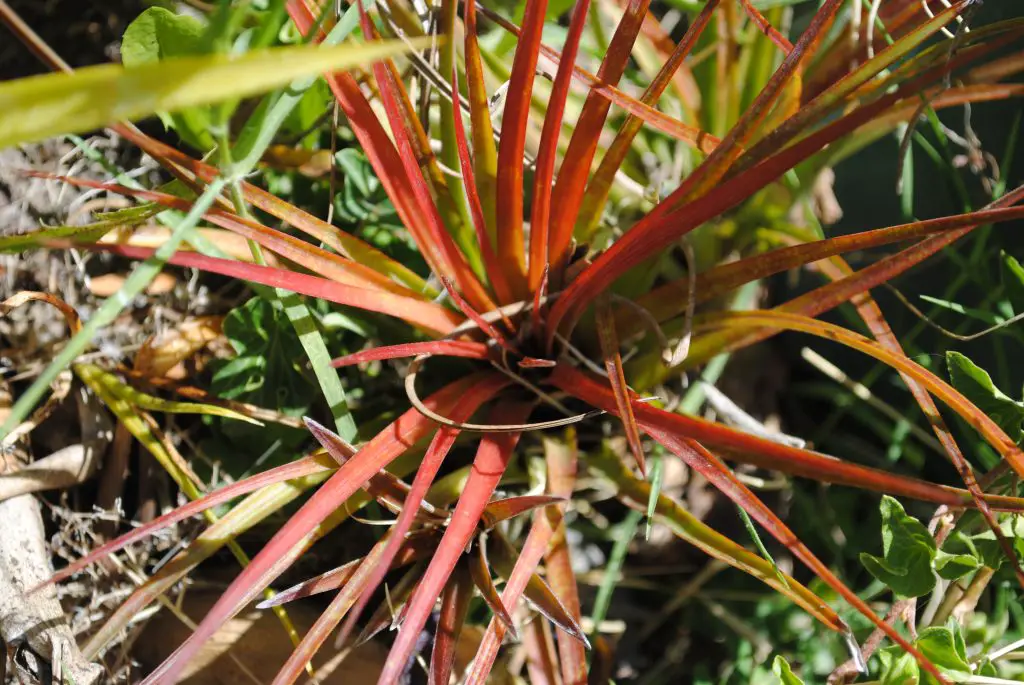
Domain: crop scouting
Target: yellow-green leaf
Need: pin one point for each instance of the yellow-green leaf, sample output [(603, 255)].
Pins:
[(96, 378), (42, 106)]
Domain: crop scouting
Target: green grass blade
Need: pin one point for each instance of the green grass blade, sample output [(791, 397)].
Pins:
[(38, 107)]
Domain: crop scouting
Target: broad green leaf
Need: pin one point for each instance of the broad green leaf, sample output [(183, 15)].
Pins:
[(984, 546), (975, 384), (781, 669), (38, 107), (266, 369), (944, 647), (955, 566), (908, 550), (1013, 281), (159, 34), (898, 667), (95, 376)]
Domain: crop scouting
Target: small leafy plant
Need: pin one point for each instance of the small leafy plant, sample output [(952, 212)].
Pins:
[(531, 295)]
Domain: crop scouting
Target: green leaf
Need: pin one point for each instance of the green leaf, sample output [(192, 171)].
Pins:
[(908, 550), (97, 377), (944, 647), (1013, 281), (955, 566), (781, 669), (39, 107), (975, 384), (159, 34), (984, 546), (898, 667), (265, 371)]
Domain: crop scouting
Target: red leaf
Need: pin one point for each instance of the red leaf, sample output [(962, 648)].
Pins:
[(513, 144), (454, 608), (545, 167), (427, 315), (494, 270), (302, 467), (413, 548), (281, 551), (447, 348), (462, 410), (491, 459), (503, 509), (613, 365)]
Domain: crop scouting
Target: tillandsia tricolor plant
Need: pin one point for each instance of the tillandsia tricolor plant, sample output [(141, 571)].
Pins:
[(556, 316)]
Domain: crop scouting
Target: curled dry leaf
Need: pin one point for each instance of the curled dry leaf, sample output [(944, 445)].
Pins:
[(164, 353)]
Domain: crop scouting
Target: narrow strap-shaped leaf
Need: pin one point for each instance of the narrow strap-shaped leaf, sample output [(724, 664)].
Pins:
[(766, 27), (872, 316), (561, 457), (297, 469), (247, 513), (314, 258), (435, 237), (718, 474), (544, 171), (94, 375), (461, 410), (281, 551), (973, 416), (751, 449), (572, 175), (329, 618), (446, 348), (492, 457), (338, 240), (537, 591), (452, 616), (726, 482), (636, 493), (476, 209), (388, 612), (503, 509), (414, 548), (485, 153), (669, 300), (513, 145), (613, 365), (398, 173), (831, 295), (521, 578), (388, 489), (659, 120), (480, 572), (427, 315), (835, 95), (660, 227), (39, 107), (718, 162)]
